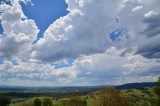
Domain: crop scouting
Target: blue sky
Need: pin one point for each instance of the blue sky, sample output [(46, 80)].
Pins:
[(79, 42), (1, 29), (44, 12)]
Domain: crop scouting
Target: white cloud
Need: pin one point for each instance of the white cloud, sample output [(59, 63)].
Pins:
[(83, 31), (19, 32), (150, 14), (110, 67), (83, 35), (36, 72), (137, 8)]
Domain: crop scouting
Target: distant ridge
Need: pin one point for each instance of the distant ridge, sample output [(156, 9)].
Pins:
[(136, 85), (81, 88)]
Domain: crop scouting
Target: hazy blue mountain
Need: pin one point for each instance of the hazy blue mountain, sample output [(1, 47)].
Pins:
[(136, 85), (80, 88)]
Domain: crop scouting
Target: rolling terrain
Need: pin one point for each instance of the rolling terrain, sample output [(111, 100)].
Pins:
[(137, 94)]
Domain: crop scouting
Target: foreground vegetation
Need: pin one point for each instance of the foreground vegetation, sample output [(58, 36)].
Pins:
[(103, 97)]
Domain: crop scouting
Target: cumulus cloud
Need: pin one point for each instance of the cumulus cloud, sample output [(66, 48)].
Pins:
[(112, 68), (110, 42), (19, 32), (83, 31), (109, 67), (150, 47), (143, 27), (36, 72), (152, 19)]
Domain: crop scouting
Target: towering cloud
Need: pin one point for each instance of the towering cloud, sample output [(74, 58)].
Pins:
[(83, 31)]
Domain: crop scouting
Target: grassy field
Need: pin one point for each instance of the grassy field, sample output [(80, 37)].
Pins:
[(141, 97)]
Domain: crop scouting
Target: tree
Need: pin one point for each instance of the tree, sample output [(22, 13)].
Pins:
[(157, 91), (75, 101), (47, 102), (159, 81), (62, 103), (4, 101), (110, 97), (37, 102)]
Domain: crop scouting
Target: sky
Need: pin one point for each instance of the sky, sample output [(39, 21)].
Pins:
[(79, 42)]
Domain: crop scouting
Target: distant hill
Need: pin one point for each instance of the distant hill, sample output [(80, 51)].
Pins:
[(80, 88), (136, 85)]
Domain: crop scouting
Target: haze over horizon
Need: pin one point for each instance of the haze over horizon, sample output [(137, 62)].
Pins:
[(79, 42)]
